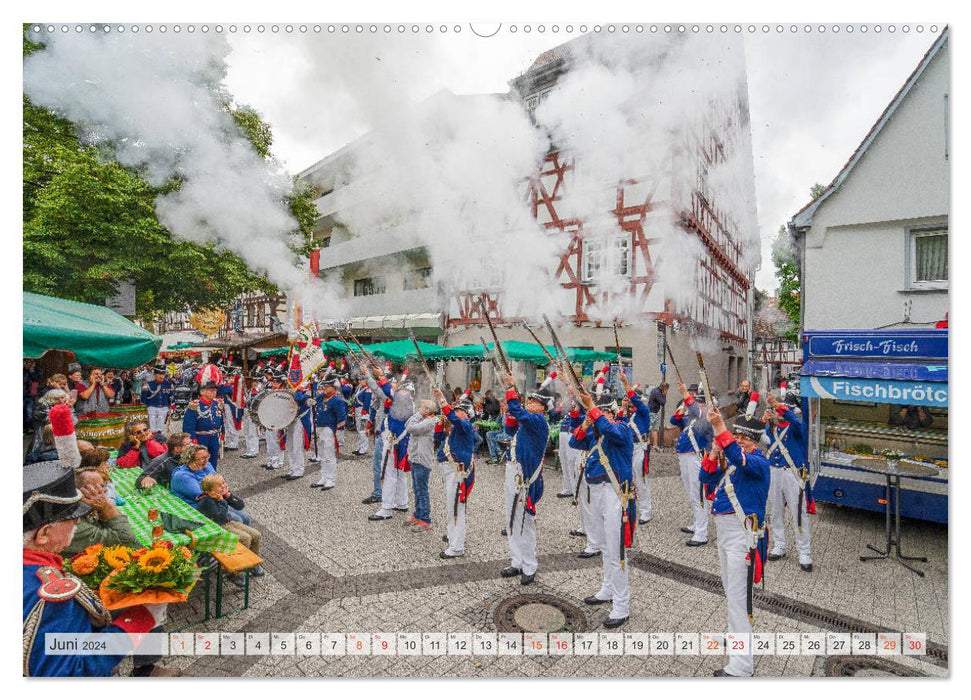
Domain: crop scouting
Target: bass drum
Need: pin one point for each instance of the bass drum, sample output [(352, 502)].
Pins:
[(274, 409)]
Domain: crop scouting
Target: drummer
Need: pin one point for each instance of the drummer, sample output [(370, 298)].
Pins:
[(251, 429), (276, 440)]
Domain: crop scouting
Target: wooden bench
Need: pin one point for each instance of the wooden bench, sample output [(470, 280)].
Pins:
[(240, 561)]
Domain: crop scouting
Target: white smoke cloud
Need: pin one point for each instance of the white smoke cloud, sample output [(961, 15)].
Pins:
[(158, 102), (637, 109)]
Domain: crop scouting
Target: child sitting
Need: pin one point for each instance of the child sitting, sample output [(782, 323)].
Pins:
[(225, 509)]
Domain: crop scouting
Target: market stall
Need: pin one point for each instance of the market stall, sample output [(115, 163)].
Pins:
[(95, 335), (873, 394)]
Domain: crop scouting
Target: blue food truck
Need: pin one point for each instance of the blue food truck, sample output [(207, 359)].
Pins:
[(873, 393)]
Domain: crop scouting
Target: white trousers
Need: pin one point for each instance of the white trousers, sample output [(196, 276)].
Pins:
[(522, 535), (568, 462), (156, 418), (327, 449), (605, 527), (784, 490), (690, 466), (732, 550), (251, 434), (232, 435), (587, 514), (275, 455), (394, 488), (360, 422), (642, 482), (454, 525), (295, 449)]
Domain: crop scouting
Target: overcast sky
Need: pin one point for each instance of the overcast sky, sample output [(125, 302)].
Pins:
[(813, 96)]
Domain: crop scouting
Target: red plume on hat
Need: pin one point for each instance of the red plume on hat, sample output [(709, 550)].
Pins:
[(209, 374)]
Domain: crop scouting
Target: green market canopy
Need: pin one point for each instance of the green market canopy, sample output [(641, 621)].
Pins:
[(95, 334), (400, 351)]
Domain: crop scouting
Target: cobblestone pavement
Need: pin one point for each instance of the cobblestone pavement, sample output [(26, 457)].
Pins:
[(332, 570)]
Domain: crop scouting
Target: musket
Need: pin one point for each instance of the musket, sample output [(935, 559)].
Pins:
[(673, 363), (313, 417), (709, 397), (556, 362), (491, 355), (500, 355), (620, 361), (541, 346), (572, 377), (421, 356), (350, 351)]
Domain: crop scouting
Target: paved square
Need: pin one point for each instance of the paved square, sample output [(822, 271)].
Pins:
[(331, 570)]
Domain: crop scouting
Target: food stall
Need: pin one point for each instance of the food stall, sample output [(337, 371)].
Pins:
[(878, 393)]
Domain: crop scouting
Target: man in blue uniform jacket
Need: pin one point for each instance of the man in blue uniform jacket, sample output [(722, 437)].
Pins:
[(157, 397), (456, 451), (638, 418), (331, 417), (54, 601), (203, 420), (740, 487), (524, 479), (609, 444), (790, 480), (694, 440)]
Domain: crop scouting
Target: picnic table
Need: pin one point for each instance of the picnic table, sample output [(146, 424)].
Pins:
[(210, 537)]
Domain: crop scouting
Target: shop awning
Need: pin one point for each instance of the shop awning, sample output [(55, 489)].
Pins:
[(900, 383), (896, 371), (95, 334)]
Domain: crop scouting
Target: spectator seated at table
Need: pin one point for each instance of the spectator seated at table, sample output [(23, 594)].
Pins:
[(104, 525), (140, 448), (912, 417), (97, 459), (46, 451), (187, 478), (223, 508), (159, 470)]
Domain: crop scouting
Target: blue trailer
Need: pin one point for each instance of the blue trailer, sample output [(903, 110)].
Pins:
[(878, 392)]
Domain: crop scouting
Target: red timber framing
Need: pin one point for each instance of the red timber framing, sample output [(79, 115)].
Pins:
[(722, 286)]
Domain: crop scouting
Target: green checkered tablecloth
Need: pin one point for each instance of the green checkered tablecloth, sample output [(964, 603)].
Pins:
[(210, 537)]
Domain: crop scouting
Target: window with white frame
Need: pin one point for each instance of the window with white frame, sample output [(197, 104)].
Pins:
[(611, 255), (928, 258)]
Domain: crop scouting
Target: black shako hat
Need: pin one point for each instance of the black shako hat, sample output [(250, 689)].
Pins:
[(749, 427), (50, 495)]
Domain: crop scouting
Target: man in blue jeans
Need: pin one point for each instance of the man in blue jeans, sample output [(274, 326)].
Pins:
[(377, 426), (421, 454), (497, 439)]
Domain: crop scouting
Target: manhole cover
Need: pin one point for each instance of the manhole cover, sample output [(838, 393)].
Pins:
[(538, 612), (866, 666)]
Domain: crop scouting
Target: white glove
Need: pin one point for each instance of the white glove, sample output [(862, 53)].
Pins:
[(311, 402), (159, 611)]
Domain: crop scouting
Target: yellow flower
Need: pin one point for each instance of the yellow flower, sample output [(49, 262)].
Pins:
[(85, 564), (117, 556), (186, 552), (94, 549), (155, 560)]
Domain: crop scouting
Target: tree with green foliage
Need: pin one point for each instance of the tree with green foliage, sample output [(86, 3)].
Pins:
[(90, 222), (787, 271)]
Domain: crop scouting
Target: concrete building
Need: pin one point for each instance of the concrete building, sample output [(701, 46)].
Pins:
[(718, 307), (873, 248)]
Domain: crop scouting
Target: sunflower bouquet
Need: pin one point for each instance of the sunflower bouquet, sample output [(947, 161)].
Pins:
[(96, 562), (159, 574)]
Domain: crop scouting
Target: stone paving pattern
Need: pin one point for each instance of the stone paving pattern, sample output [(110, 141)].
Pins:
[(332, 570)]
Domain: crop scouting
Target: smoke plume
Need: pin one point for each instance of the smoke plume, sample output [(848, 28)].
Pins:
[(157, 102)]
